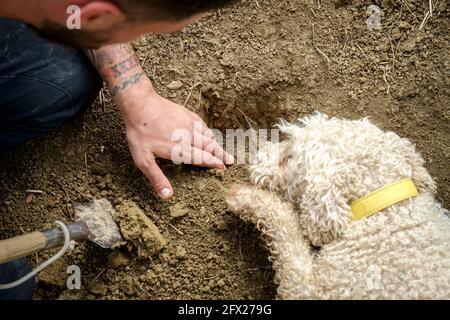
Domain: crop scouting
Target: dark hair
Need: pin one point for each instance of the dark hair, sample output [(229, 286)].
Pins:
[(169, 10)]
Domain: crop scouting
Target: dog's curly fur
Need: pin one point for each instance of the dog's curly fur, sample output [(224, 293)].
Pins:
[(318, 250)]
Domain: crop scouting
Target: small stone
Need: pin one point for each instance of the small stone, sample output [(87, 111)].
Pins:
[(139, 230), (101, 185), (206, 289), (178, 210), (158, 268), (407, 45), (396, 34), (221, 225), (175, 85), (221, 283), (126, 286), (99, 289), (218, 173), (55, 274), (201, 186), (211, 256), (151, 277), (180, 252), (176, 285), (172, 262), (404, 25), (118, 259), (108, 178)]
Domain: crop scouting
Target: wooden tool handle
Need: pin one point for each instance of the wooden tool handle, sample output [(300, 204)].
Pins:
[(21, 246)]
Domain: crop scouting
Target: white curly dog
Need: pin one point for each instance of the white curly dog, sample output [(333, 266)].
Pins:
[(318, 250)]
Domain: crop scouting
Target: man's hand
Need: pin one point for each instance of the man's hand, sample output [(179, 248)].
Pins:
[(155, 126)]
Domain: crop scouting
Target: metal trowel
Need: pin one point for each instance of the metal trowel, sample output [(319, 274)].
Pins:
[(94, 221)]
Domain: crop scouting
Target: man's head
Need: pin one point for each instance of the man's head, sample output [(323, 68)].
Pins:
[(103, 22)]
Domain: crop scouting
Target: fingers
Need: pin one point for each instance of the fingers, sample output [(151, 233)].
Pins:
[(210, 145), (201, 127), (204, 139), (158, 180), (199, 157)]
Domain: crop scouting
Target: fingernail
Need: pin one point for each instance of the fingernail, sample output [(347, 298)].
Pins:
[(230, 159), (166, 193)]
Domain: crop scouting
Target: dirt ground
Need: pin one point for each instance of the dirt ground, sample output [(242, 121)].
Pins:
[(249, 64)]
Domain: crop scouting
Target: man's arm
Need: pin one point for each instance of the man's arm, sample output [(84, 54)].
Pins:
[(118, 66), (151, 120)]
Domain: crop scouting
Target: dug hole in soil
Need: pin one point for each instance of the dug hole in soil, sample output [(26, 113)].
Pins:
[(248, 65)]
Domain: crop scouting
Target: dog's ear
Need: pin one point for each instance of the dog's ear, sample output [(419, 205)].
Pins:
[(268, 170), (312, 183), (325, 213)]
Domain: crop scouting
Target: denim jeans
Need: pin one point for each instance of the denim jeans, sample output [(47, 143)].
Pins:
[(42, 85), (13, 271)]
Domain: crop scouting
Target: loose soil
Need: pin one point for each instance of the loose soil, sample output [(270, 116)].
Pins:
[(247, 65)]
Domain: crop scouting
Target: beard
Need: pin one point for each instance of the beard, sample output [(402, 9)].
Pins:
[(54, 32)]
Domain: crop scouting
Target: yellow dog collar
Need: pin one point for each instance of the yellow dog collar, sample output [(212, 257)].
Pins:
[(383, 198)]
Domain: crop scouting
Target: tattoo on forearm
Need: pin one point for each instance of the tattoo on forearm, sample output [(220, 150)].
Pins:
[(118, 65), (105, 61), (117, 70), (128, 82), (123, 67)]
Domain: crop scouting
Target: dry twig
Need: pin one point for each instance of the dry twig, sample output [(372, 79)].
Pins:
[(386, 81), (66, 196), (35, 191), (190, 93), (317, 48), (96, 278), (176, 229), (429, 13)]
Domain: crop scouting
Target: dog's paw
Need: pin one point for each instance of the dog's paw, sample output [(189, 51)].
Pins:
[(239, 198)]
